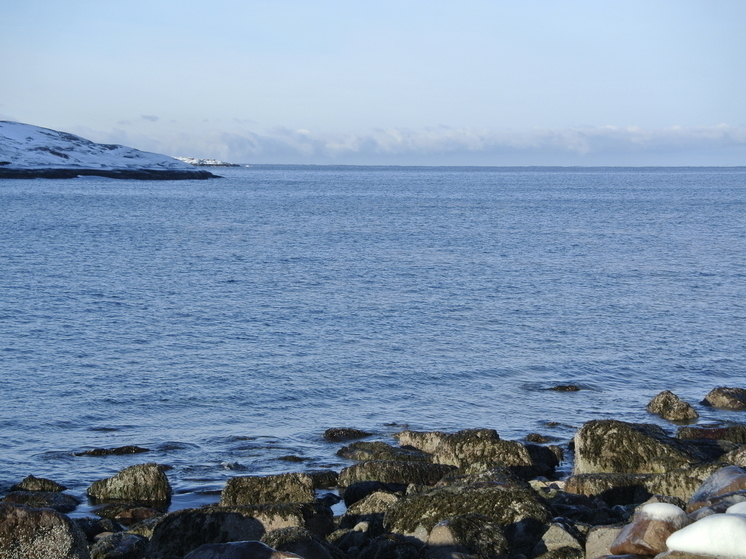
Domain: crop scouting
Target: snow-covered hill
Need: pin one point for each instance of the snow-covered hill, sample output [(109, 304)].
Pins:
[(206, 162), (28, 151)]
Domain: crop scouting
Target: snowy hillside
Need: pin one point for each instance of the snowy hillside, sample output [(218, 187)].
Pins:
[(28, 151)]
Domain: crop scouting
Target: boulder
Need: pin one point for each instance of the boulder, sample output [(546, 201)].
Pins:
[(426, 441), (364, 451), (394, 471), (610, 446), (61, 502), (599, 540), (649, 529), (324, 479), (558, 536), (361, 489), (239, 550), (143, 483), (733, 433), (39, 533), (370, 510), (121, 545), (722, 481), (259, 490), (390, 546), (31, 483), (92, 527), (469, 533), (177, 533), (726, 398), (119, 451), (672, 408), (339, 434), (302, 543)]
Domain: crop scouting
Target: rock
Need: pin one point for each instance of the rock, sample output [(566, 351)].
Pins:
[(565, 388), (361, 489), (726, 398), (390, 471), (469, 533), (143, 483), (719, 535), (364, 451), (733, 433), (121, 545), (672, 408), (649, 529), (92, 527), (599, 540), (177, 533), (324, 479), (610, 446), (239, 550), (119, 451), (718, 505), (424, 441), (27, 533), (338, 434), (390, 546), (514, 507), (563, 553), (61, 502), (724, 480), (558, 536), (31, 483), (259, 490), (302, 543), (371, 510)]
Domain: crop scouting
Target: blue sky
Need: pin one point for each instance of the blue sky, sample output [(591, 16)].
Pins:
[(532, 82)]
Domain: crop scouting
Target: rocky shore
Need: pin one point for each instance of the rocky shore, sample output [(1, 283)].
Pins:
[(636, 490)]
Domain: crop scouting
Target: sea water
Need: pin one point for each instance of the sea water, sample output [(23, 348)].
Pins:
[(225, 324)]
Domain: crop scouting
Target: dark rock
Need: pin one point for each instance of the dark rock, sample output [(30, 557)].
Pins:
[(259, 490), (239, 550), (92, 527), (565, 388), (120, 451), (143, 483), (387, 471), (722, 481), (303, 543), (672, 408), (27, 533), (61, 502), (339, 434), (733, 433), (470, 533), (129, 174), (126, 513), (390, 546), (563, 553), (324, 479), (359, 490), (31, 483), (121, 545), (370, 510), (610, 446), (558, 536), (726, 398), (537, 438), (365, 451)]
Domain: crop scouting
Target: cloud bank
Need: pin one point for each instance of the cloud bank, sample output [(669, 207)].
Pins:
[(608, 145)]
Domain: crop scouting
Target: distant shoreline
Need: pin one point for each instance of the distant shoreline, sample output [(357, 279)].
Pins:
[(129, 174)]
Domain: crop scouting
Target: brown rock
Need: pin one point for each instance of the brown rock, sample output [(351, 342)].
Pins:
[(120, 546), (724, 480), (365, 451), (649, 529), (726, 398)]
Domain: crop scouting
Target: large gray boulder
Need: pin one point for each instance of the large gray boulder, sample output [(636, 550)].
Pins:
[(143, 483), (394, 471), (27, 533), (259, 490), (610, 446), (180, 532)]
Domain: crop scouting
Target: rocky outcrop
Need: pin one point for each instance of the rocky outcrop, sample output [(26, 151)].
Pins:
[(339, 434), (143, 483), (39, 534), (726, 398), (672, 408), (259, 490)]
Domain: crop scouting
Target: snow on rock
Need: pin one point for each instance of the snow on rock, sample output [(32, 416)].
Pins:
[(719, 535), (662, 511), (738, 508), (28, 151), (649, 529), (206, 162)]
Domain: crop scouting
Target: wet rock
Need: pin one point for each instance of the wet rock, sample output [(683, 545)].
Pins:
[(61, 502), (514, 507), (388, 471), (726, 398), (599, 539), (126, 513), (177, 533), (92, 527), (303, 543), (239, 550), (390, 546), (672, 408), (143, 483), (565, 388), (649, 529), (610, 446), (119, 451), (121, 545), (365, 451), (733, 433), (259, 490), (39, 533), (723, 481), (324, 479), (469, 533), (339, 434), (31, 483)]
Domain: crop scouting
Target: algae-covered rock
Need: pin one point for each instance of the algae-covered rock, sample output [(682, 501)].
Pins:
[(470, 533), (610, 446), (239, 550), (726, 398), (121, 545), (27, 533), (338, 434), (31, 483), (733, 433), (394, 471), (258, 490), (143, 483), (302, 543), (390, 546), (61, 502), (672, 408), (426, 441), (364, 451)]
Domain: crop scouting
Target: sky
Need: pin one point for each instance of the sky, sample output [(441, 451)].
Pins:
[(405, 82)]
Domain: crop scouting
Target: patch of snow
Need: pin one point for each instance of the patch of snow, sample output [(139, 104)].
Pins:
[(738, 508), (206, 162), (662, 511), (24, 146), (721, 535)]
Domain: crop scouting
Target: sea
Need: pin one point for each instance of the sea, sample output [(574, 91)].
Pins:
[(225, 324)]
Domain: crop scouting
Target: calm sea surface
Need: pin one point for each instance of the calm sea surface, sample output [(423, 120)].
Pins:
[(226, 324)]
